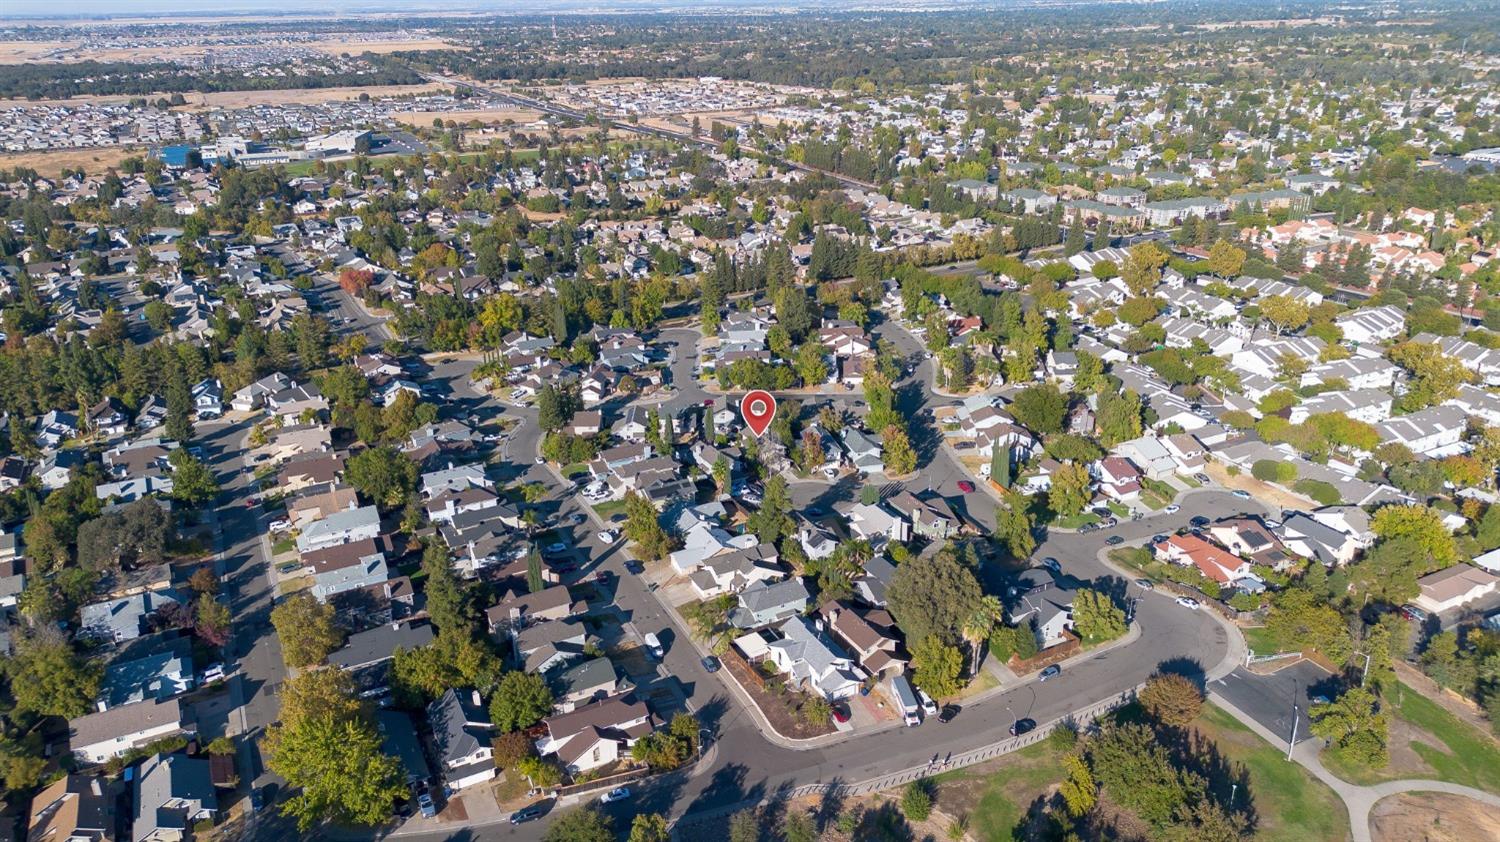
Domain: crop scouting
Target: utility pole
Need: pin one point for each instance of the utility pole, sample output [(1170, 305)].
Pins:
[(1293, 741), (1366, 671)]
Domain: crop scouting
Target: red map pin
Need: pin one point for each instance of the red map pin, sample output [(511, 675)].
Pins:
[(758, 408)]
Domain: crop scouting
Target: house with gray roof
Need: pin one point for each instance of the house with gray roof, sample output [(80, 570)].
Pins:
[(763, 603), (159, 675), (96, 737), (172, 792), (810, 660), (116, 620), (340, 528), (583, 682), (462, 734), (377, 645), (398, 738)]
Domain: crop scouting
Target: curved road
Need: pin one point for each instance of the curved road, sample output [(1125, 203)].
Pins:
[(743, 765)]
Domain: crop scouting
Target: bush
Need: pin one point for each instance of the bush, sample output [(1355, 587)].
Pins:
[(1319, 490), (1270, 470), (916, 802)]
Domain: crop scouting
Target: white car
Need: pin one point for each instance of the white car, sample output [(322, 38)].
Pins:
[(213, 673), (616, 794), (607, 536), (929, 707), (1172, 509), (1188, 603), (280, 525)]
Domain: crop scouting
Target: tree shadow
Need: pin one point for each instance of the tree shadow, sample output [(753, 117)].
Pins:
[(884, 823), (1188, 668), (829, 806)]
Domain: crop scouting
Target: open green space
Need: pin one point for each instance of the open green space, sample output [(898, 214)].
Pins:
[(1464, 754), (1290, 804)]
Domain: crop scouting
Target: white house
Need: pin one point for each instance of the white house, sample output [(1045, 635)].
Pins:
[(808, 659), (1435, 432), (1372, 324), (96, 737)]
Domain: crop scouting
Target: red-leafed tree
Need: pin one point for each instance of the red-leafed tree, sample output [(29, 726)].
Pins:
[(355, 281)]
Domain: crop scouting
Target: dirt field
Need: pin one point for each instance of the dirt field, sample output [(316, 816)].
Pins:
[(52, 163), (1433, 817), (521, 116), (21, 52), (201, 101), (1259, 490)]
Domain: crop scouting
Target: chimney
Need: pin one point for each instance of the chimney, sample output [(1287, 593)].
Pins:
[(474, 694)]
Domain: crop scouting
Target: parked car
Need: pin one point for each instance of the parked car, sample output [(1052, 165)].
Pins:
[(1022, 726), (1172, 509), (1145, 584), (1114, 540), (653, 645), (965, 486), (840, 714), (1157, 539), (1199, 520), (607, 536), (526, 814), (426, 806), (1241, 493), (555, 548), (710, 663), (1188, 603), (1051, 564), (1413, 613), (929, 707), (280, 525), (1203, 478), (211, 673), (948, 712), (1049, 672), (617, 794), (635, 567), (257, 799)]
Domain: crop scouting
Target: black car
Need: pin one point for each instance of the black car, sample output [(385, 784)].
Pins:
[(526, 814), (710, 663), (1157, 539), (1021, 726), (1199, 520), (635, 567), (948, 712), (1114, 540)]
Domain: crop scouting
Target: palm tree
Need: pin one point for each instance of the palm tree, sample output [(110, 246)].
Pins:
[(977, 628)]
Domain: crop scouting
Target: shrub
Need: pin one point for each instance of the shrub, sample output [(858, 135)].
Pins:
[(916, 802), (1171, 699), (1319, 490), (1270, 470)]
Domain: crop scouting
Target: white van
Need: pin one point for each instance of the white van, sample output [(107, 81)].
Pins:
[(906, 700), (653, 646)]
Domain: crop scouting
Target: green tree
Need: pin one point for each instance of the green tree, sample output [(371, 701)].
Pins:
[(539, 771), (1137, 772), (937, 666), (1355, 725), (643, 527), (307, 630), (1171, 699), (383, 474), (649, 827), (1283, 311), (773, 520), (1119, 417), (896, 455), (1041, 408), (583, 825), (336, 768), (522, 700), (1225, 259), (1141, 271), (797, 826), (1096, 617), (744, 826), (1072, 489), (448, 598), (810, 364), (49, 678), (1078, 790), (192, 482), (1421, 523), (933, 596), (1013, 525)]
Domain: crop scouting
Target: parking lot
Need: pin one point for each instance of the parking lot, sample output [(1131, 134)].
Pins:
[(1269, 698)]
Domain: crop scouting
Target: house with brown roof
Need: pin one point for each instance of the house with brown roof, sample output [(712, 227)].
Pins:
[(75, 808), (519, 609), (592, 736), (873, 647), (308, 469), (1454, 588), (318, 502)]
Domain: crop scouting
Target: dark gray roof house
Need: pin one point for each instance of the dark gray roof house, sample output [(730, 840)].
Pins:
[(379, 644)]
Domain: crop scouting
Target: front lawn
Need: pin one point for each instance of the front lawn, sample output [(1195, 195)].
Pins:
[(1428, 742), (1263, 642), (609, 509), (1077, 521)]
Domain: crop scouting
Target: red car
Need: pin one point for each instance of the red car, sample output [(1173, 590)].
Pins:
[(840, 715), (965, 486)]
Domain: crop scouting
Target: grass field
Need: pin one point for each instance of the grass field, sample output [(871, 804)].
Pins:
[(93, 161), (1290, 804), (1452, 750), (1263, 642)]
